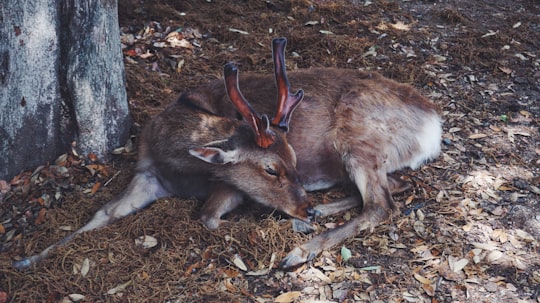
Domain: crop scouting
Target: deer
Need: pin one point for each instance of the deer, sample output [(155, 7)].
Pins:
[(349, 127)]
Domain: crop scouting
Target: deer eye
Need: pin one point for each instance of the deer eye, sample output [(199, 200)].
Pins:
[(269, 170)]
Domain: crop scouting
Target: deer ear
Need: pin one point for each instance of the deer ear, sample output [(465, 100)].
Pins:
[(215, 155)]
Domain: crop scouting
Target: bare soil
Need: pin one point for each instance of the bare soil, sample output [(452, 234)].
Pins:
[(469, 230)]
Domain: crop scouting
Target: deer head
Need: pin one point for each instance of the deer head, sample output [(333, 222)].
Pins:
[(261, 164)]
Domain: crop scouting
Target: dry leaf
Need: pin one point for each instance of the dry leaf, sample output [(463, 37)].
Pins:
[(41, 216), (146, 241), (525, 114), (477, 136), (239, 263), (444, 270), (234, 30), (85, 267), (493, 256), (495, 128), (457, 265), (118, 288), (401, 26), (506, 70), (422, 279), (287, 297), (229, 286), (525, 236), (486, 246), (429, 289), (326, 32), (76, 297), (490, 33), (95, 188), (92, 157)]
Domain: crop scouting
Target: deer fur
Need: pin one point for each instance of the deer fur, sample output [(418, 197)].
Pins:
[(352, 126)]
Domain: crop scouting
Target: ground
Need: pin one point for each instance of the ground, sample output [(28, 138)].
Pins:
[(468, 231)]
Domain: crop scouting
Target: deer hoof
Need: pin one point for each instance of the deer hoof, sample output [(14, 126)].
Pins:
[(23, 264), (297, 256), (300, 226), (213, 223)]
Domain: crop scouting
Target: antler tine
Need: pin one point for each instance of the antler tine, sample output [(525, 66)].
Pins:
[(287, 102), (261, 126)]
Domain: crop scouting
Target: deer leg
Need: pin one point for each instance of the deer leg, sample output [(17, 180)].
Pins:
[(223, 198), (309, 250), (143, 189), (396, 185), (378, 206), (325, 210)]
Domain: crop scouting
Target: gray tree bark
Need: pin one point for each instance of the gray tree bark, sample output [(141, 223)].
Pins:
[(61, 80)]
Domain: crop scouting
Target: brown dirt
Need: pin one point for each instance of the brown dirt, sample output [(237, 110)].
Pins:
[(469, 230)]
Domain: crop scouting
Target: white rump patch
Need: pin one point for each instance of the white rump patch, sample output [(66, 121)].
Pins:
[(429, 139)]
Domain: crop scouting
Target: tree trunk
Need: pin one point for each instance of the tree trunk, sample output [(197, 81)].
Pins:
[(61, 81)]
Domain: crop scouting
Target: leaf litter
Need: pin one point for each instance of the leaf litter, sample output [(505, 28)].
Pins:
[(469, 230)]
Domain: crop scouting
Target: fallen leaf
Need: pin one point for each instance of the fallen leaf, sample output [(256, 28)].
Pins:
[(422, 279), (486, 246), (326, 32), (4, 187), (525, 236), (146, 241), (287, 297), (237, 260), (92, 157), (448, 274), (457, 265), (493, 256), (229, 286), (505, 70), (477, 136), (118, 288), (234, 30), (490, 33), (429, 289), (76, 297), (85, 267), (400, 26), (346, 253), (525, 114), (41, 216), (231, 273), (95, 188)]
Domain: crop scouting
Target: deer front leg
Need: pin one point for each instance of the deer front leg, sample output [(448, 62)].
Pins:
[(378, 206), (223, 198), (397, 186), (309, 250), (325, 210)]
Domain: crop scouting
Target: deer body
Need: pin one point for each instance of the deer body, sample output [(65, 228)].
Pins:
[(351, 126), (359, 129)]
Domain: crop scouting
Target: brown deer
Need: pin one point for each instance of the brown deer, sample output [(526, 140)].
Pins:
[(237, 158), (352, 126)]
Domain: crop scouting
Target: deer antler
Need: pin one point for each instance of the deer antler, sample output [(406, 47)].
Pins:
[(287, 102), (260, 124)]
